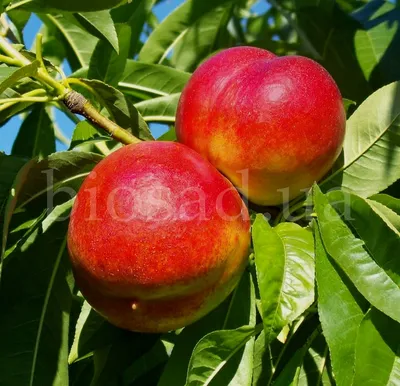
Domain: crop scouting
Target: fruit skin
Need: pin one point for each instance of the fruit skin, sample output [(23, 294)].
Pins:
[(157, 237), (268, 123)]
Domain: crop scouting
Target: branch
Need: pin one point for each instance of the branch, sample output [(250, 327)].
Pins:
[(74, 101), (78, 104)]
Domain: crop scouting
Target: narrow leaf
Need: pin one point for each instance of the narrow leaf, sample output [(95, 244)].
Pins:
[(101, 25), (143, 79), (285, 273), (35, 317), (372, 223), (377, 350), (350, 254), (340, 308), (107, 65), (36, 136), (10, 78), (85, 132), (174, 27), (372, 145), (214, 350), (161, 109)]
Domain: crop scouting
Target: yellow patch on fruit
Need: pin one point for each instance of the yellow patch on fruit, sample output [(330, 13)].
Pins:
[(220, 147)]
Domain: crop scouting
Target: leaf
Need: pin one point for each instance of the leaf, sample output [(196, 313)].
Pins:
[(291, 372), (389, 201), (340, 308), (35, 315), (238, 370), (61, 172), (174, 27), (377, 44), (84, 132), (316, 369), (377, 350), (200, 38), (214, 350), (350, 254), (151, 79), (36, 135), (111, 361), (161, 109), (79, 44), (9, 168), (91, 332), (330, 33), (371, 222), (232, 313), (101, 25), (372, 145), (10, 196), (285, 272), (105, 64), (134, 15), (121, 109), (10, 76), (71, 5)]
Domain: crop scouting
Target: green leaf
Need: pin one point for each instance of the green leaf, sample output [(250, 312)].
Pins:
[(19, 19), (377, 351), (84, 132), (101, 25), (377, 44), (10, 76), (291, 372), (111, 361), (316, 369), (161, 109), (372, 145), (350, 254), (11, 185), (340, 308), (36, 135), (330, 34), (200, 38), (389, 201), (56, 178), (152, 79), (9, 168), (79, 44), (71, 5), (214, 350), (134, 15), (121, 109), (92, 332), (285, 272), (236, 311), (174, 27), (105, 64), (170, 135), (372, 223), (35, 315), (238, 370)]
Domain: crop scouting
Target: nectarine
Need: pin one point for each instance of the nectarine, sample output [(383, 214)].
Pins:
[(273, 125), (157, 237)]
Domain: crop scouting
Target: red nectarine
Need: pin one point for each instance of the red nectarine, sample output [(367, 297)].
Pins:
[(157, 237), (273, 125)]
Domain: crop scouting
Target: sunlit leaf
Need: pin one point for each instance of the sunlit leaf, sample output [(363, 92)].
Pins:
[(285, 272)]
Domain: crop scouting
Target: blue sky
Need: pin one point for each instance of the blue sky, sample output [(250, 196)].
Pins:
[(9, 131)]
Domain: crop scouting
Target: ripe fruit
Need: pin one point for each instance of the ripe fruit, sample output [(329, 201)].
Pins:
[(273, 125), (157, 237)]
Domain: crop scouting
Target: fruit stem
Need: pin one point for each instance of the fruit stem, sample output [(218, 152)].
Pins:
[(78, 104), (75, 102)]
